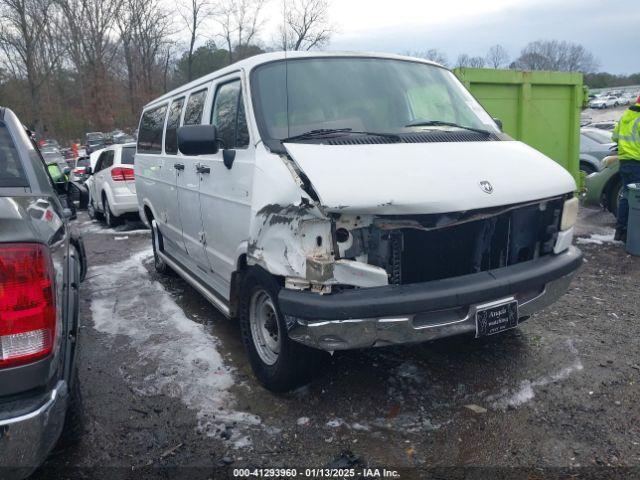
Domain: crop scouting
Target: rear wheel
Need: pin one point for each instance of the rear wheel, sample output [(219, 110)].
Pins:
[(279, 363), (109, 218)]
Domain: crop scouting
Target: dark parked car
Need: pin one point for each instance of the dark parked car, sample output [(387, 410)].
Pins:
[(94, 141), (41, 266)]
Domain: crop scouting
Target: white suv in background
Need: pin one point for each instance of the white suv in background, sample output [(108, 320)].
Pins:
[(112, 189)]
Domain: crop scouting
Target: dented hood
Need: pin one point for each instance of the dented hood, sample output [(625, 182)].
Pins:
[(396, 179)]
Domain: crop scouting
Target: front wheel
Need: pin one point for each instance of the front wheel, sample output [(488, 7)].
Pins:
[(278, 362), (587, 168), (156, 241), (91, 210), (613, 198)]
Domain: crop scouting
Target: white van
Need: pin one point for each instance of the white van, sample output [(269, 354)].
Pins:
[(339, 201)]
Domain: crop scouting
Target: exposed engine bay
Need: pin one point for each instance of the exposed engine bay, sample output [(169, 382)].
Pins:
[(422, 248)]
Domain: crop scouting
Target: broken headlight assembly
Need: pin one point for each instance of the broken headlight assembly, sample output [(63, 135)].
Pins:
[(569, 214)]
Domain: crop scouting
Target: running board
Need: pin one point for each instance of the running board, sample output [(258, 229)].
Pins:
[(195, 283)]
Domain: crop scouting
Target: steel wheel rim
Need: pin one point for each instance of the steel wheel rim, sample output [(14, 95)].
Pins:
[(107, 212), (265, 330)]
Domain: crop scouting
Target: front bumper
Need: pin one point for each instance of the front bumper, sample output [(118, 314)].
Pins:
[(399, 314), (27, 439)]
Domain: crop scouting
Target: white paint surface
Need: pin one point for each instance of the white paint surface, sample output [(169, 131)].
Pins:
[(428, 177)]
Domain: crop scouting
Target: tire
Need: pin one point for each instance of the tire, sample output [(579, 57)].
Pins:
[(156, 241), (74, 419), (613, 197), (279, 363), (91, 211), (587, 168), (109, 218)]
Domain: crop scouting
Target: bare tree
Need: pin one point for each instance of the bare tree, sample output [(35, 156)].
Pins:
[(144, 28), (240, 22), (556, 55), (194, 13), (466, 61), (88, 28), (306, 25), (29, 46), (433, 54), (497, 56)]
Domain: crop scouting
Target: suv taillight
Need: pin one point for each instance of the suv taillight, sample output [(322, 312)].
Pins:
[(27, 303), (120, 174)]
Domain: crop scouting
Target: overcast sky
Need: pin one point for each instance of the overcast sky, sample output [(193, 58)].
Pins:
[(610, 29)]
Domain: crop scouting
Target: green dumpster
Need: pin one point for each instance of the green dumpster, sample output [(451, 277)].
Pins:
[(633, 227), (542, 109)]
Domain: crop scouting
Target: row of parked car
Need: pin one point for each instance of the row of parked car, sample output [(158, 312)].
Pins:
[(612, 99), (95, 141)]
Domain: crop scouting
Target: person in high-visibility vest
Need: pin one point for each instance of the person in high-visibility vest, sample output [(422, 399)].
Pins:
[(627, 136)]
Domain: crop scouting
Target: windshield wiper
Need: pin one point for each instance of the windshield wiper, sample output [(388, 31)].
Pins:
[(437, 123), (329, 132)]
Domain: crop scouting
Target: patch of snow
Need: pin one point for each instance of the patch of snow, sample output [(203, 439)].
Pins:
[(303, 421), (336, 423), (121, 238), (509, 398), (242, 442), (598, 239), (188, 364), (360, 427)]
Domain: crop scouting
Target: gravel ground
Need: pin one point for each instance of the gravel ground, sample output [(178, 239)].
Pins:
[(166, 385)]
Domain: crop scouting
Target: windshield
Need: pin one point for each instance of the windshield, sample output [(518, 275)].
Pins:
[(11, 172), (362, 94), (600, 136), (52, 157)]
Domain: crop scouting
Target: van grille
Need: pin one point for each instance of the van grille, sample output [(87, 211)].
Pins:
[(417, 137)]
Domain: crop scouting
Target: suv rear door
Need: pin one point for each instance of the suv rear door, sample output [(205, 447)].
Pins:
[(101, 175)]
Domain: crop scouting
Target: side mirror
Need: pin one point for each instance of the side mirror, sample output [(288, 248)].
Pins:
[(498, 122), (198, 140), (88, 171), (66, 170)]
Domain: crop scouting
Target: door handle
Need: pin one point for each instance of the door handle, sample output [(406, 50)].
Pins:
[(178, 166), (202, 168)]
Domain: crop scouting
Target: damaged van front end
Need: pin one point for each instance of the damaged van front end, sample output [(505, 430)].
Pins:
[(369, 263), (408, 215)]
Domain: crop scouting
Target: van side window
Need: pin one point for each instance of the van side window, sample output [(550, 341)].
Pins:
[(173, 122), (229, 116), (151, 128), (195, 106)]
